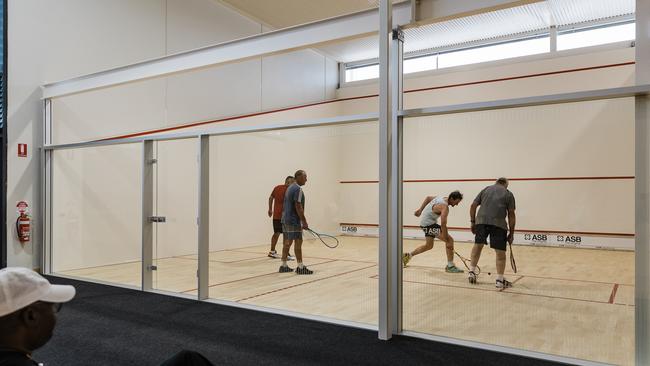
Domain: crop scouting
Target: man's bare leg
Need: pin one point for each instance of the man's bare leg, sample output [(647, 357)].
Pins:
[(501, 268), (476, 255), (274, 241), (449, 248), (428, 245)]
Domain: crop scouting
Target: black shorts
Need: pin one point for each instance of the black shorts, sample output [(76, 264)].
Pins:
[(431, 231), (498, 236), (277, 226)]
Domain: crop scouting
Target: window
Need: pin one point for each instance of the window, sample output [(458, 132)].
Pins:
[(584, 37), (596, 36), (494, 52), (362, 73)]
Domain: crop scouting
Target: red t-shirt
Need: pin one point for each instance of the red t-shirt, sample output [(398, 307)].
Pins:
[(278, 197)]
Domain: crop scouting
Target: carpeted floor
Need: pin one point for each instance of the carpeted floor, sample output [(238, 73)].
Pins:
[(107, 325)]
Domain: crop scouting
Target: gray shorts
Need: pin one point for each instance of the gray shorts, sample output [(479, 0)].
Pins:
[(292, 232)]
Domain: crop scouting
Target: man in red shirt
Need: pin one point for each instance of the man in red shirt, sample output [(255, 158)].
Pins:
[(275, 211)]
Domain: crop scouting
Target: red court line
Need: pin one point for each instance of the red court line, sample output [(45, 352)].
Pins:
[(613, 295), (521, 77), (533, 276), (305, 283), (511, 292), (518, 230), (337, 259), (624, 177), (225, 119), (251, 277)]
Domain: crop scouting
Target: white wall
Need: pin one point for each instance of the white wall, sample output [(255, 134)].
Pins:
[(46, 44), (589, 139)]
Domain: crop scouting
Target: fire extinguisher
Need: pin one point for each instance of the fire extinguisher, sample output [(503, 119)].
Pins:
[(23, 227)]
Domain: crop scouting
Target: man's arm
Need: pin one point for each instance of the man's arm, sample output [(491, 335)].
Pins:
[(443, 222), (512, 220), (472, 216), (426, 201), (301, 214), (270, 205)]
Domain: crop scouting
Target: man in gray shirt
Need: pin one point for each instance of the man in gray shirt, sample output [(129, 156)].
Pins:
[(496, 203), (293, 222)]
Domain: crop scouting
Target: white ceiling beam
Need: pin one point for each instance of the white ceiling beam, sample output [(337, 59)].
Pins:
[(298, 37)]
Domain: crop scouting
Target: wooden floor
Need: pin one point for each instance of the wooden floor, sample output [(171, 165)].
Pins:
[(570, 302)]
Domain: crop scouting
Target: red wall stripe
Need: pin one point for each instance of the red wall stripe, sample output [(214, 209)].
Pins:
[(174, 128), (518, 230), (491, 179)]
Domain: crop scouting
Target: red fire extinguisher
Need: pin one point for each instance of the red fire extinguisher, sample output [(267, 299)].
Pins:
[(23, 227)]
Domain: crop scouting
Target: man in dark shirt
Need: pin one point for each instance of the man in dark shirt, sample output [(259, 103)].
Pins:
[(28, 307), (496, 202)]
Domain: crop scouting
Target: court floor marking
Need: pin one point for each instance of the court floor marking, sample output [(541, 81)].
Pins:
[(305, 283), (513, 282), (613, 295), (537, 276), (338, 259), (256, 276), (511, 292)]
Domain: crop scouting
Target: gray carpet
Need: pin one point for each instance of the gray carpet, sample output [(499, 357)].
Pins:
[(107, 325)]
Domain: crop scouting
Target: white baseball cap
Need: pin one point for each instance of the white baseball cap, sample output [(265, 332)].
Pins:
[(21, 287)]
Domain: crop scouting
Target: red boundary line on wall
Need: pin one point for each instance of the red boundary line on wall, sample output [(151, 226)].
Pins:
[(491, 179), (195, 124), (518, 230)]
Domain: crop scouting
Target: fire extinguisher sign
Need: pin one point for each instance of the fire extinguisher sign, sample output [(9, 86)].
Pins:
[(22, 207)]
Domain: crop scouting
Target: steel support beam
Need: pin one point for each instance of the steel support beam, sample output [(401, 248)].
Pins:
[(45, 218), (203, 216), (147, 213), (303, 36), (385, 112), (396, 177), (642, 188)]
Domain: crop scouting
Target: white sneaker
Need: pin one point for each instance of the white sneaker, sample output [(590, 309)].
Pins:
[(274, 254), (290, 257), (503, 283), (472, 277)]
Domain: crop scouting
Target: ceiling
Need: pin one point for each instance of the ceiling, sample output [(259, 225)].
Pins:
[(286, 13), (494, 25)]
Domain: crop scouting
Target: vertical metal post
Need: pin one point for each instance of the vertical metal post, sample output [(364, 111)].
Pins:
[(147, 213), (396, 204), (553, 38), (203, 216), (385, 26), (642, 187), (46, 191)]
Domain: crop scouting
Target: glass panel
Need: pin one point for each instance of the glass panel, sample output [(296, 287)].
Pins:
[(175, 196), (418, 64), (96, 194), (362, 73), (571, 171), (494, 52), (249, 169), (596, 36)]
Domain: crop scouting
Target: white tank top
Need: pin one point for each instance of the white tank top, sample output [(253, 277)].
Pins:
[(428, 217)]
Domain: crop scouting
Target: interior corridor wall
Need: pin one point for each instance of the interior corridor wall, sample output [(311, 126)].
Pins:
[(45, 45)]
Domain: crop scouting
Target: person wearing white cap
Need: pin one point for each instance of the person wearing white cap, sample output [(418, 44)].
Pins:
[(28, 304)]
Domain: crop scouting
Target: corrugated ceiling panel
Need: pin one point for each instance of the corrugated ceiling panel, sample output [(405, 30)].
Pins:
[(488, 26), (478, 27), (567, 12)]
